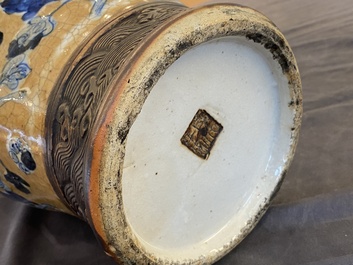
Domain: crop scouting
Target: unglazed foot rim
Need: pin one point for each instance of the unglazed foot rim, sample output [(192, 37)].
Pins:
[(146, 147)]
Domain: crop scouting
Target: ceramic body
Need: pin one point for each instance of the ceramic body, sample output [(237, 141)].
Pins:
[(121, 113)]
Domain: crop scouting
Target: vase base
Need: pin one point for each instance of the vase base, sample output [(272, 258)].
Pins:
[(198, 135)]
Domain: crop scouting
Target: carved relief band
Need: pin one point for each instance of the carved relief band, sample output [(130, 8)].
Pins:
[(76, 99)]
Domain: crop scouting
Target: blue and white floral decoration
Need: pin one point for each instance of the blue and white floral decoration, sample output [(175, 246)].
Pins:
[(29, 7), (20, 153), (97, 7), (17, 68), (30, 36), (14, 70)]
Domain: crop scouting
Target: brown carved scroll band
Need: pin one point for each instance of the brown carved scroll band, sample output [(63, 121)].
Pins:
[(77, 96)]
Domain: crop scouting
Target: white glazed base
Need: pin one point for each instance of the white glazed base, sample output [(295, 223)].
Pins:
[(158, 201), (178, 205)]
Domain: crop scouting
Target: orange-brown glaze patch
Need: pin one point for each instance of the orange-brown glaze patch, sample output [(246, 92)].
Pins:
[(94, 184), (93, 194)]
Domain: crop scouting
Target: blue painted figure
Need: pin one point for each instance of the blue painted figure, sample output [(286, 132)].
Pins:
[(30, 7), (15, 180), (97, 7), (6, 191), (29, 37), (15, 70), (20, 154)]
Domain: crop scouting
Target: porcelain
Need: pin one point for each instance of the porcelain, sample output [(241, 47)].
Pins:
[(167, 128)]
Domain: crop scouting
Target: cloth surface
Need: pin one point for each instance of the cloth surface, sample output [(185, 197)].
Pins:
[(310, 220)]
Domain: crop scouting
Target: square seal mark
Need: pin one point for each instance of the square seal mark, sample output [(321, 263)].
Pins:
[(201, 134)]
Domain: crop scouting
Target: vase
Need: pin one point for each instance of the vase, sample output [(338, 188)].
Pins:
[(167, 128)]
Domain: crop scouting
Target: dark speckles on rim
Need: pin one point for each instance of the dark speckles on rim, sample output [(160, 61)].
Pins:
[(275, 46), (293, 103)]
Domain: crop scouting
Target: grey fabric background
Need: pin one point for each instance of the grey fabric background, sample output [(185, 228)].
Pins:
[(311, 220)]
